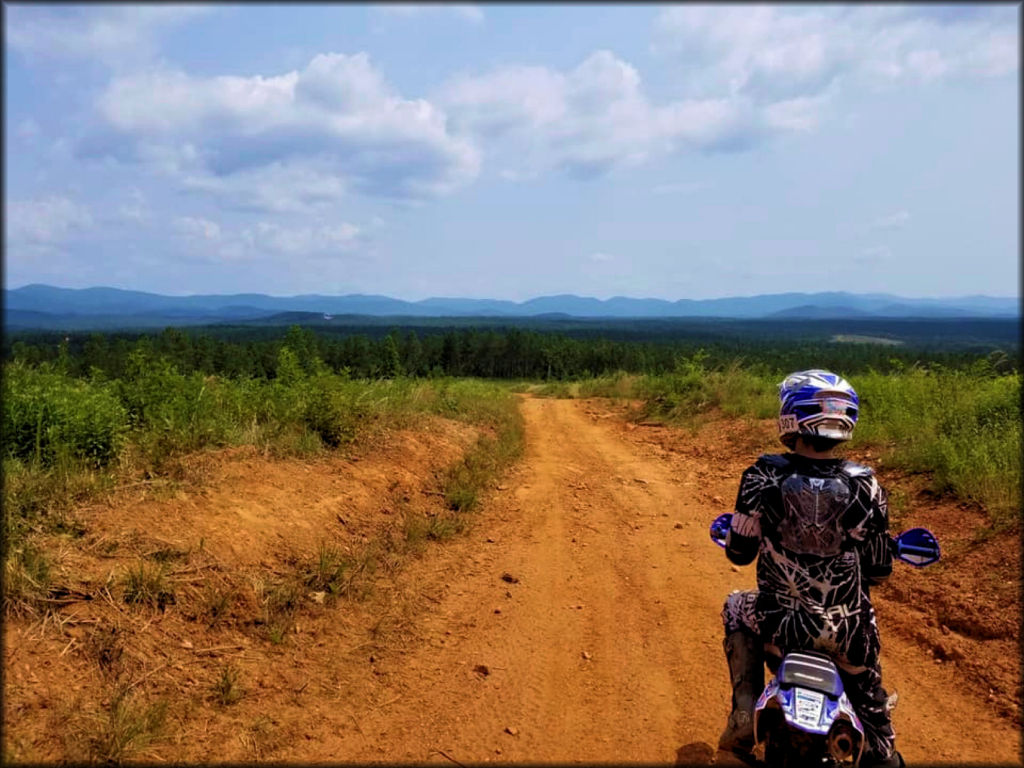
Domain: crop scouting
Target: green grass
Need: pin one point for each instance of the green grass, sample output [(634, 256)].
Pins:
[(67, 439), (147, 585), (215, 604), (26, 580), (41, 499), (227, 690), (960, 427), (493, 453), (488, 406), (279, 605), (333, 572), (127, 729), (964, 429)]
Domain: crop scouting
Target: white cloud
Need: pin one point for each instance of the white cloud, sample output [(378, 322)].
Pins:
[(207, 240), (927, 64), (801, 114), (466, 12), (136, 209), (789, 62), (507, 98), (768, 51), (773, 53), (116, 34), (199, 228), (514, 175), (278, 142), (601, 257), (587, 120), (312, 240), (46, 221), (999, 55), (294, 186), (895, 220)]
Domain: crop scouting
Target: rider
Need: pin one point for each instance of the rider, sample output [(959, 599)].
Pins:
[(818, 526)]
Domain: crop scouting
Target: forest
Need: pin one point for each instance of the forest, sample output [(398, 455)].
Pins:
[(581, 350)]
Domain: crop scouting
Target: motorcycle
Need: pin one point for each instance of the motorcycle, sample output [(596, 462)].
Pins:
[(803, 717)]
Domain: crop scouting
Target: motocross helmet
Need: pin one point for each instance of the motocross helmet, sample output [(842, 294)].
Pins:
[(816, 403)]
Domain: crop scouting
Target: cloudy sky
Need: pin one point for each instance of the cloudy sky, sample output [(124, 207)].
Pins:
[(513, 151)]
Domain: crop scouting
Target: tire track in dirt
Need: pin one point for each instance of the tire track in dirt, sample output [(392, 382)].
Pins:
[(608, 648)]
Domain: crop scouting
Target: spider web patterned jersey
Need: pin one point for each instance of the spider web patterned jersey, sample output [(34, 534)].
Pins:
[(819, 529)]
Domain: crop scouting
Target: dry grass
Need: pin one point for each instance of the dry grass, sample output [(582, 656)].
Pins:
[(227, 690), (126, 729), (26, 580), (147, 585)]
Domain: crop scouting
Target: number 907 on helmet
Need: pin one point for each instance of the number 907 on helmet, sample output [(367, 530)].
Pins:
[(816, 403)]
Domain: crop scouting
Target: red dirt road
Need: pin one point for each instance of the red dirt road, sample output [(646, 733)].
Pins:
[(608, 648), (602, 643)]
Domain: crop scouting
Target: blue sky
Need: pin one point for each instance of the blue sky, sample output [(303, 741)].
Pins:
[(512, 151)]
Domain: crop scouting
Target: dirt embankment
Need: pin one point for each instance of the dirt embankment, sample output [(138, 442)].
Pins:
[(578, 620), (183, 624)]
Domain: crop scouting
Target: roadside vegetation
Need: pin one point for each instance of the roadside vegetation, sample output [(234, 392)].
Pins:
[(93, 412), (67, 437), (959, 426), (72, 435)]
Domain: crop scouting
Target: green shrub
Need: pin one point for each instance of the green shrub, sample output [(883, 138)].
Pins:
[(328, 571), (961, 427), (26, 579), (172, 413), (128, 728), (48, 415), (278, 610), (147, 585), (327, 414), (227, 690)]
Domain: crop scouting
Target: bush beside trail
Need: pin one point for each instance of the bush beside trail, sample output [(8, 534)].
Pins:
[(961, 427), (66, 439), (48, 415)]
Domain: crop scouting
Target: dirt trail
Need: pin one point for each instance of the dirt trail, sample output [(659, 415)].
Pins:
[(601, 644), (608, 648)]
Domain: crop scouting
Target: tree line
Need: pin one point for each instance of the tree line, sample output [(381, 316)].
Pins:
[(503, 353)]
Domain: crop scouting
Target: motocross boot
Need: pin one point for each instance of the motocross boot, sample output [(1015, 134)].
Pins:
[(745, 655)]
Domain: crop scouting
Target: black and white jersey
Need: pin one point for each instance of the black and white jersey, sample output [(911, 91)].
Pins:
[(819, 530)]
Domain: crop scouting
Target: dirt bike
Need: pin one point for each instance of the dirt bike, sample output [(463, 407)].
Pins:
[(803, 717)]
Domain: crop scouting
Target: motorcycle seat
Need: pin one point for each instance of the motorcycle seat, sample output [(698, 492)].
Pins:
[(815, 671)]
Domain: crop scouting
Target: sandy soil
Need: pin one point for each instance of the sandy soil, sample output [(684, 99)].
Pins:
[(608, 648), (577, 621)]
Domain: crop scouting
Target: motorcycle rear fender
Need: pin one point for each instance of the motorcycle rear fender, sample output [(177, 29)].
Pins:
[(783, 700)]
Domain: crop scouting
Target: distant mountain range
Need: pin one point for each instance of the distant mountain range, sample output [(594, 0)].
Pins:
[(46, 307)]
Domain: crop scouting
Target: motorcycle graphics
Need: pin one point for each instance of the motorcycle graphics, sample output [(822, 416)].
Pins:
[(803, 716)]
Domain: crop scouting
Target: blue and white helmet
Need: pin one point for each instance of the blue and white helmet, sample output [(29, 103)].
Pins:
[(816, 403)]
